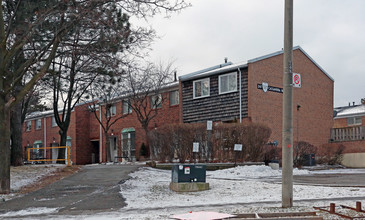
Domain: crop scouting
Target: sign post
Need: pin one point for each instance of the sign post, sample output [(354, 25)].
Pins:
[(209, 137), (195, 150), (237, 148)]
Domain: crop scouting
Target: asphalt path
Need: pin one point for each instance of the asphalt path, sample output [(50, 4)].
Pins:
[(94, 189), (335, 180)]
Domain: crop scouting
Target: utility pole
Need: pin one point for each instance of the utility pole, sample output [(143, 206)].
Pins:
[(287, 141)]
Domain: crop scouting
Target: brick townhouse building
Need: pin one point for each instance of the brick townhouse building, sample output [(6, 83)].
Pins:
[(348, 128), (349, 131), (87, 140), (252, 92), (243, 92)]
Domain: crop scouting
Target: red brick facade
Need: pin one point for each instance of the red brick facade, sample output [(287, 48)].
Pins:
[(85, 131), (312, 121)]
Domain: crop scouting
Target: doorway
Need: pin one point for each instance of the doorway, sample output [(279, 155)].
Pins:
[(113, 148), (129, 144)]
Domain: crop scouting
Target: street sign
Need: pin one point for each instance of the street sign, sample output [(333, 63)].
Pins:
[(297, 80)]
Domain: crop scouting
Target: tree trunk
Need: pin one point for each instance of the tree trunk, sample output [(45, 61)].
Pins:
[(107, 142), (16, 136), (4, 147), (150, 153), (63, 142)]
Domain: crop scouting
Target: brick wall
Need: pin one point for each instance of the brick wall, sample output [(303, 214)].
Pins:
[(165, 115), (313, 121)]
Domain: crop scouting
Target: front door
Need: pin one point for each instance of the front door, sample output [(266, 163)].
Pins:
[(129, 147), (113, 148)]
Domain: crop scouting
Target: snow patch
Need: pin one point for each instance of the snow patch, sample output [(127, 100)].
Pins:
[(150, 187), (30, 211)]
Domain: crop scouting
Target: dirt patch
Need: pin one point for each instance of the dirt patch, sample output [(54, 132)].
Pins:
[(49, 179)]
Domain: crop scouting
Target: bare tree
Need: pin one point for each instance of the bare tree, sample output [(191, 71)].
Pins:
[(145, 97), (105, 93), (46, 23)]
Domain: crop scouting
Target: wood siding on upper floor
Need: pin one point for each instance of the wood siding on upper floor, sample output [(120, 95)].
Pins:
[(215, 107)]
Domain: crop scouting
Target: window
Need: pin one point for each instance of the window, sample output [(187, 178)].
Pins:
[(126, 108), (38, 124), (228, 83), (28, 126), (201, 88), (174, 97), (54, 124), (156, 101), (112, 110), (354, 121)]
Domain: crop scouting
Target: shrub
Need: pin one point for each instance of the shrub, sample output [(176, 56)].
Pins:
[(177, 140), (302, 149), (330, 154)]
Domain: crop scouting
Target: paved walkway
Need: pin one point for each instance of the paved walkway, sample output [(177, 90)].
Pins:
[(94, 189)]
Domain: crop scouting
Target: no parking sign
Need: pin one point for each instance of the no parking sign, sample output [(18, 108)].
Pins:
[(297, 80)]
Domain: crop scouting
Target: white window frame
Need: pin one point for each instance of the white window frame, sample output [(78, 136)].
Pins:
[(28, 126), (38, 124), (174, 97), (129, 109), (158, 104), (201, 81), (353, 120), (220, 82)]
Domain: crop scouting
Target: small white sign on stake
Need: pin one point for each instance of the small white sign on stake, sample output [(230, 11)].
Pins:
[(209, 125), (196, 147), (237, 147)]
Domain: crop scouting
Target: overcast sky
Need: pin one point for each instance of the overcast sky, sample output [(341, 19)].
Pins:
[(332, 32)]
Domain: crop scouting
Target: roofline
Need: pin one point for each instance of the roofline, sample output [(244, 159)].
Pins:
[(349, 115), (226, 68), (165, 88), (191, 75), (294, 48)]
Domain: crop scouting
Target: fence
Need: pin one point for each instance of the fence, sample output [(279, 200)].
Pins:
[(348, 134), (35, 154)]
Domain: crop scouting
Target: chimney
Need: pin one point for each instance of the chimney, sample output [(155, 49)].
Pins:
[(175, 77), (225, 60), (353, 103), (349, 103)]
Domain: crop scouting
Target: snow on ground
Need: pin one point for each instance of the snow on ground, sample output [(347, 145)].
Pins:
[(235, 190), (28, 174), (150, 187), (250, 172)]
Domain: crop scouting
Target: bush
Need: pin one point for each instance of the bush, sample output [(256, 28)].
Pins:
[(143, 151), (330, 154), (177, 140), (302, 149)]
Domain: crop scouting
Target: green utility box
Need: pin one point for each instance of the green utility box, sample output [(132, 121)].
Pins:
[(188, 178), (187, 173)]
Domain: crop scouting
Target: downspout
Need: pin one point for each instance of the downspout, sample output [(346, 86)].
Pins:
[(45, 137), (101, 138), (240, 76)]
